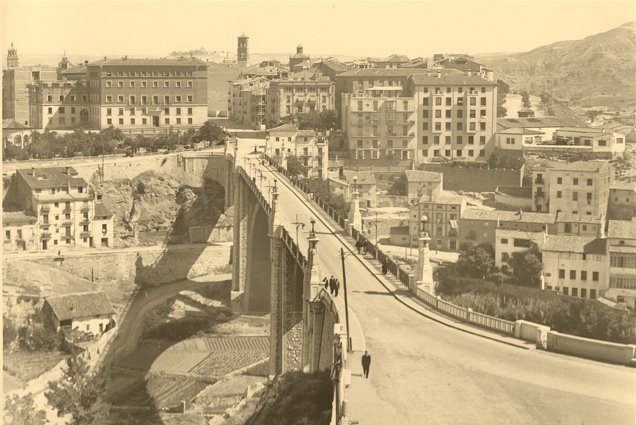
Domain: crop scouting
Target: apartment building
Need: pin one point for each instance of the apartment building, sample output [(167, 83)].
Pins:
[(310, 147), (67, 212), (423, 183), (622, 257), (509, 241), (363, 182), (622, 201), (379, 124), (247, 101), (579, 225), (575, 265), (456, 115), (134, 95), (301, 93), (439, 216), (580, 187)]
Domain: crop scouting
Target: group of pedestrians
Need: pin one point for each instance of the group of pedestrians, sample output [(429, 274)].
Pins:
[(361, 247), (333, 284)]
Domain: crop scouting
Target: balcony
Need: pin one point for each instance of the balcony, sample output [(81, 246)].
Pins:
[(85, 208), (67, 237), (85, 235), (539, 181), (45, 225), (85, 222), (539, 194), (45, 209), (67, 210), (45, 235)]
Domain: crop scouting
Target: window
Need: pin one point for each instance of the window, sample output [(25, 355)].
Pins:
[(109, 111), (109, 84), (425, 126), (575, 196), (155, 83), (561, 273), (177, 99), (120, 99), (143, 84), (189, 111), (460, 113), (120, 84), (448, 101), (189, 120), (559, 180), (120, 111), (166, 100), (482, 101), (572, 274), (49, 98), (589, 182), (482, 140), (458, 153), (177, 84), (583, 275), (575, 181), (155, 100), (109, 99), (575, 292), (166, 111), (167, 120), (121, 121), (132, 100), (425, 140), (447, 126), (566, 291), (50, 110), (144, 121), (558, 194), (460, 126), (504, 241), (595, 276), (436, 140), (189, 84), (471, 152), (438, 113), (459, 140), (166, 83), (189, 98), (424, 102), (178, 120), (132, 84), (482, 126), (109, 121)]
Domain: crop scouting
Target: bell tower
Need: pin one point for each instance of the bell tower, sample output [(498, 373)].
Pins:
[(242, 50), (12, 58)]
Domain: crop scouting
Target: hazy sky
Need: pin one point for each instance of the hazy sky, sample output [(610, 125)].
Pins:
[(348, 28)]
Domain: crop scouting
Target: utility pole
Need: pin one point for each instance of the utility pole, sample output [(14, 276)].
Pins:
[(299, 224), (344, 287)]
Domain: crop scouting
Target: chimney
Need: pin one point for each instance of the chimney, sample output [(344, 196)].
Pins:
[(299, 49)]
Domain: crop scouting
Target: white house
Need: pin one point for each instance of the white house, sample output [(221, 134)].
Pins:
[(85, 312)]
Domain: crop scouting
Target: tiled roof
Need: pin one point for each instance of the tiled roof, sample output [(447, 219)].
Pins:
[(102, 210), (148, 62), (392, 59), (286, 128), (364, 177), (595, 165), (521, 130), (335, 65), (306, 133), (459, 79), (81, 305), (587, 130), (17, 217), (619, 185), (579, 244), (11, 124), (399, 230), (494, 215), (46, 178), (80, 69), (519, 192), (444, 197), (622, 229), (578, 218), (388, 72), (422, 176), (261, 71), (530, 122)]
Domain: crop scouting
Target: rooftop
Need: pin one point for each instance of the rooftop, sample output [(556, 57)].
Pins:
[(388, 72), (102, 210), (285, 128), (620, 185), (521, 130), (79, 69), (394, 58), (622, 229), (578, 218), (444, 197), (11, 124), (334, 64), (364, 177), (530, 122), (17, 217), (186, 62), (455, 79), (422, 176), (595, 165), (521, 216), (588, 130), (519, 192), (307, 133), (46, 178), (578, 244), (80, 305)]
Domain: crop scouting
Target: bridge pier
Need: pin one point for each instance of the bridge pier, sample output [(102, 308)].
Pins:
[(239, 244)]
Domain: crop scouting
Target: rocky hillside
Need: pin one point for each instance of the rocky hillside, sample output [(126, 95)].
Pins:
[(599, 70), (164, 207)]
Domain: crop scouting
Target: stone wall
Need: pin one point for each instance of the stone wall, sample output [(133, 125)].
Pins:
[(145, 267), (475, 179)]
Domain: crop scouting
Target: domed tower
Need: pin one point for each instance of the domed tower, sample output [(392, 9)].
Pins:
[(12, 58), (62, 66), (242, 50)]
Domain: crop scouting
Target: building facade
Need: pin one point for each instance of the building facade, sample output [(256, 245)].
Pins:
[(456, 115), (423, 183), (622, 201), (439, 217), (89, 312), (580, 187), (311, 149), (509, 242), (363, 182), (622, 256), (67, 212), (379, 124)]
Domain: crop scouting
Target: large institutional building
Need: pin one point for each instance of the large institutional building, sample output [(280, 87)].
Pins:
[(134, 95)]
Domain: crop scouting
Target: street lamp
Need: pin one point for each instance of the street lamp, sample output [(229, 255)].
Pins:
[(344, 287), (300, 224)]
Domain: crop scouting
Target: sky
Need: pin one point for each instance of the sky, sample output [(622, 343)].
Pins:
[(356, 28)]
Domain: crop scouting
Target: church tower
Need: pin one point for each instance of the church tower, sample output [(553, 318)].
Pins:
[(12, 58), (62, 66), (242, 50)]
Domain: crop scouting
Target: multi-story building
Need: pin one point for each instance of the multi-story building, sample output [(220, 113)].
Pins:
[(580, 187), (391, 61), (575, 265), (330, 68), (420, 183), (456, 115), (622, 268), (247, 101), (478, 225), (622, 201), (20, 231), (508, 242), (134, 95), (301, 93), (309, 147), (379, 124), (579, 225), (66, 210), (362, 181), (439, 216)]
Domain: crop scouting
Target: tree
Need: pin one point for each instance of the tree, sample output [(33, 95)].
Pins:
[(525, 99), (502, 90), (79, 393), (477, 261), (319, 121), (14, 152), (399, 186), (211, 132), (526, 266), (22, 411), (295, 167)]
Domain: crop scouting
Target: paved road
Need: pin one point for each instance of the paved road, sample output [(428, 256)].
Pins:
[(423, 372)]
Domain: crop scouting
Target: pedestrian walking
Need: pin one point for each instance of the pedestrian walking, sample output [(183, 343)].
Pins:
[(358, 246), (336, 288), (326, 281), (384, 268), (366, 364), (332, 285)]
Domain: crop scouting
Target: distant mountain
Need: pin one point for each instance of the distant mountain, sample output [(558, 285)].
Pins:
[(597, 70)]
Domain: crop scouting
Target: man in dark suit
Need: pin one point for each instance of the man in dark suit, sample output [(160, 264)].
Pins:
[(366, 364)]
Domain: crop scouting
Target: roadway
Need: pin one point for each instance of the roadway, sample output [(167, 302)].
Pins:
[(425, 372)]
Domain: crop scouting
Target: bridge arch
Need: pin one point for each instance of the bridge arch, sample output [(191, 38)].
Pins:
[(258, 271)]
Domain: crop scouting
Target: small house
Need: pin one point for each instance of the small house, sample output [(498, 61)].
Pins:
[(89, 312)]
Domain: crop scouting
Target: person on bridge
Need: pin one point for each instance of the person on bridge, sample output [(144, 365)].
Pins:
[(366, 364), (332, 284), (324, 279), (358, 245), (384, 268), (336, 287)]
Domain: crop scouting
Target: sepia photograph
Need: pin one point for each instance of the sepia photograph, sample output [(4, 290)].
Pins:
[(318, 212)]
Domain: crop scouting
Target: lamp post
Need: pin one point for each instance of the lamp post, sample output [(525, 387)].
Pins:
[(344, 287), (300, 224)]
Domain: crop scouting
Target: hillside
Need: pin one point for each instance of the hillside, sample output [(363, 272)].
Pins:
[(599, 70)]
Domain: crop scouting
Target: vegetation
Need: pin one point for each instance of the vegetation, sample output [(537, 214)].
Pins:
[(527, 267), (79, 393), (319, 121), (294, 166), (525, 99), (575, 316), (22, 411), (399, 186), (34, 336), (320, 188), (502, 90), (477, 261), (494, 163)]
